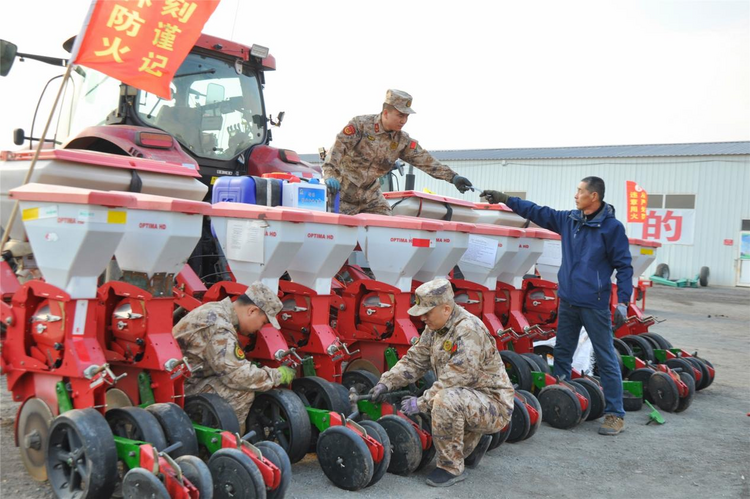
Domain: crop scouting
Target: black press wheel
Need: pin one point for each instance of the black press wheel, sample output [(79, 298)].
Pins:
[(533, 402), (701, 366), (643, 375), (584, 393), (362, 381), (345, 458), (280, 416), (560, 407), (597, 403), (209, 409), (641, 347), (660, 340), (630, 402), (541, 363), (681, 365), (343, 395), (423, 384), (662, 270), (708, 364), (32, 428), (405, 442), (621, 347), (235, 475), (197, 472), (664, 391), (135, 423), (687, 399), (546, 352), (378, 433), (80, 455), (521, 422), (319, 393), (518, 369), (500, 437), (274, 453), (652, 341), (177, 427), (139, 483), (425, 423)]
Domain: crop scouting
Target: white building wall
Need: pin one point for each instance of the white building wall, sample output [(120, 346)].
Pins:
[(721, 185)]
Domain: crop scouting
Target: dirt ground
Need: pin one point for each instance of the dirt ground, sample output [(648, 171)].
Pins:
[(703, 452)]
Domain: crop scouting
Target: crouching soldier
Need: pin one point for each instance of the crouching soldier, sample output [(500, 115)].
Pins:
[(208, 338), (472, 397)]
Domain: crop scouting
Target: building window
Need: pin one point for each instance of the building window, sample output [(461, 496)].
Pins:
[(521, 195), (672, 201), (745, 225)]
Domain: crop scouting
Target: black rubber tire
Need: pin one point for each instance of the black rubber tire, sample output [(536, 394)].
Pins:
[(521, 426), (500, 437), (378, 433), (584, 393), (597, 402), (701, 366), (425, 423), (621, 347), (703, 276), (662, 382), (99, 455), (405, 442), (539, 362), (664, 343), (643, 375), (363, 381), (688, 399), (210, 409), (280, 416), (274, 453), (423, 384), (533, 402), (708, 364), (662, 270), (235, 475), (345, 458), (319, 393), (546, 352), (139, 483), (563, 415), (135, 423), (682, 365), (343, 395), (641, 347), (199, 475), (630, 402), (651, 340), (518, 369), (177, 427)]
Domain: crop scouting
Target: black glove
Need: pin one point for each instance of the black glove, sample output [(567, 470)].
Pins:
[(494, 197), (378, 392), (621, 315), (461, 183)]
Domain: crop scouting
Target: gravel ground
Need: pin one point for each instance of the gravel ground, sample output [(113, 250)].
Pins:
[(703, 452)]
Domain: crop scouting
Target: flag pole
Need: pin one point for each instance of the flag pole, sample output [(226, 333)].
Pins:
[(14, 211)]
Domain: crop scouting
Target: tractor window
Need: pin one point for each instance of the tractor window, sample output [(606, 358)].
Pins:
[(214, 112)]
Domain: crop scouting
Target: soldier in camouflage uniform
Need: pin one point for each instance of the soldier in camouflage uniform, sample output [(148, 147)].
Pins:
[(208, 338), (368, 147), (472, 397)]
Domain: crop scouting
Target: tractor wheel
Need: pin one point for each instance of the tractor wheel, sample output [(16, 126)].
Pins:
[(177, 427), (280, 416), (274, 453), (703, 276), (641, 347), (139, 482), (687, 399), (209, 409), (663, 390), (597, 403), (533, 402), (377, 432), (235, 475), (34, 421), (560, 407), (407, 447), (81, 456), (197, 472), (344, 458), (518, 369), (520, 419), (662, 270)]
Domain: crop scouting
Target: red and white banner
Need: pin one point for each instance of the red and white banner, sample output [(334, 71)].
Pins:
[(637, 201), (665, 226), (141, 42)]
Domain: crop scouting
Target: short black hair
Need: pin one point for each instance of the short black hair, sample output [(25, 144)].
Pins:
[(245, 300), (595, 184)]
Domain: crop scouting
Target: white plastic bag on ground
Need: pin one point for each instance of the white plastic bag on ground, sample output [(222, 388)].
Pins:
[(583, 358)]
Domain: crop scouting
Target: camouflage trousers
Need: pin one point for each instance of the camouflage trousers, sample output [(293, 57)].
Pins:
[(369, 201), (460, 416), (239, 400)]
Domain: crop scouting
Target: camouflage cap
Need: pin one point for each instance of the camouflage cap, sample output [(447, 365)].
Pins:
[(431, 294), (266, 300), (400, 100)]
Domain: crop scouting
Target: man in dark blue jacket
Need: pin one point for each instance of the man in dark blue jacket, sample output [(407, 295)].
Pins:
[(594, 245)]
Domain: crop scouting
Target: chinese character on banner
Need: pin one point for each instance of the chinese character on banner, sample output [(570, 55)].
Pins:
[(665, 226), (141, 43), (637, 200)]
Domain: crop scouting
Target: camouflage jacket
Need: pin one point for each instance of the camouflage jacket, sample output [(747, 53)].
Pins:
[(462, 354), (364, 151), (208, 338)]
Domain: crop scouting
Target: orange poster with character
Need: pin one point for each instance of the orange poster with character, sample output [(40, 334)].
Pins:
[(141, 42), (637, 200)]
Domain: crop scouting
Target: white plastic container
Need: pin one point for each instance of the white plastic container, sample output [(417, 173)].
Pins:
[(491, 248), (424, 205), (450, 245), (304, 195)]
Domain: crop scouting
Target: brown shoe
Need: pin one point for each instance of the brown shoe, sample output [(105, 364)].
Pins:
[(612, 425)]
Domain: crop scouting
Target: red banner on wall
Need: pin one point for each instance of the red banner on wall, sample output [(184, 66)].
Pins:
[(637, 200), (141, 42)]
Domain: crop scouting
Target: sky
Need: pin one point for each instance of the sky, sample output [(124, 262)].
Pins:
[(484, 75)]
